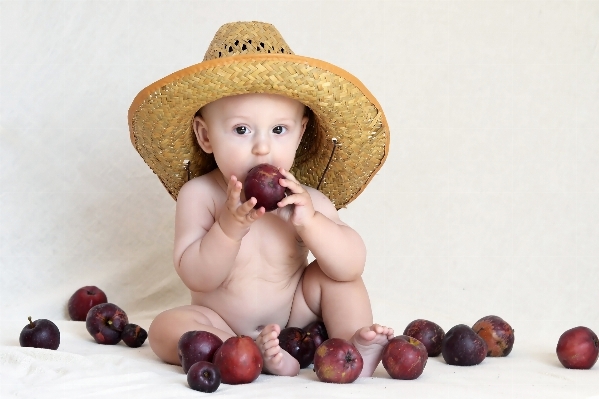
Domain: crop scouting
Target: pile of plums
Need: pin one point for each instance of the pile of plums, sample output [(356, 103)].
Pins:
[(106, 322), (405, 356), (208, 361)]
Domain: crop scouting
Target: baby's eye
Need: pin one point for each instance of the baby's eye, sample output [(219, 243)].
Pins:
[(241, 130), (279, 129)]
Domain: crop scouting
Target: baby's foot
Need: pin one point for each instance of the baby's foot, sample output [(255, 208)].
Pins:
[(276, 360), (370, 342)]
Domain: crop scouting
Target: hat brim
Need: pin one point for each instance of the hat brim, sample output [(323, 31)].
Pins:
[(353, 138)]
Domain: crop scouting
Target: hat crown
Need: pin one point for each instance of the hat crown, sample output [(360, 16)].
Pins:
[(246, 38)]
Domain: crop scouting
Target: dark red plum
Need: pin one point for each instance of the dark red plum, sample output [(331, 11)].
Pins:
[(338, 361), (105, 323), (497, 333), (239, 360), (262, 183), (41, 333), (134, 336), (318, 332), (578, 348), (430, 334), (204, 377), (195, 346), (298, 344), (404, 357), (83, 300), (463, 347)]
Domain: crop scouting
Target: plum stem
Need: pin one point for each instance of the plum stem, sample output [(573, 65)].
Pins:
[(31, 325)]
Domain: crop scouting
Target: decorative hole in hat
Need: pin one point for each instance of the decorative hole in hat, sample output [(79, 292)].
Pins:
[(346, 140)]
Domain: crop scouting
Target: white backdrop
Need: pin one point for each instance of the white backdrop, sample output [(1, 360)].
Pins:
[(487, 204)]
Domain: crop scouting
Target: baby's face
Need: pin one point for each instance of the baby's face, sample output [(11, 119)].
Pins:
[(246, 130)]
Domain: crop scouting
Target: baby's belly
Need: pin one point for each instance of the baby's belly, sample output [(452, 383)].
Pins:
[(249, 306)]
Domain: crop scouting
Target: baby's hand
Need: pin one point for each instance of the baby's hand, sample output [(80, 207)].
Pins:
[(300, 209), (236, 218)]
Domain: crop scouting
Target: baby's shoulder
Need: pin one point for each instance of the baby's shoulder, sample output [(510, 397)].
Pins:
[(201, 188), (321, 202)]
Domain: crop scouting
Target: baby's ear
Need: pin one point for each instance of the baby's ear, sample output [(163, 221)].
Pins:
[(201, 131), (305, 120)]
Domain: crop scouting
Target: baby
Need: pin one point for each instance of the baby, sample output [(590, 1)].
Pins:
[(252, 101), (247, 269)]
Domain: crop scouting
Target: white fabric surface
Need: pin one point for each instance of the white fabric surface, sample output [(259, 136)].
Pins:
[(80, 368), (487, 203)]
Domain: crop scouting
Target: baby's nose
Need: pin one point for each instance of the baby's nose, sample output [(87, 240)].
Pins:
[(261, 145)]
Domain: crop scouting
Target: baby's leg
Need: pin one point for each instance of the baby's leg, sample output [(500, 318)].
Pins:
[(346, 312), (168, 326)]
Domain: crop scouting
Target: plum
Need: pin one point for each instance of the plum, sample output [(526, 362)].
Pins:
[(404, 357), (338, 361), (105, 323), (578, 348), (463, 347), (83, 300), (299, 344), (430, 334), (41, 333), (497, 333), (133, 335), (204, 377), (262, 183), (239, 360), (318, 331), (197, 345)]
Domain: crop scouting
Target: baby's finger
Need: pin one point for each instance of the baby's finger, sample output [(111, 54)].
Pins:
[(234, 189), (292, 185), (231, 183), (288, 175), (247, 206), (256, 214), (270, 344), (294, 199)]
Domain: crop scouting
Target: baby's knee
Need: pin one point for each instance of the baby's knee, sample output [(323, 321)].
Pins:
[(159, 329), (314, 274)]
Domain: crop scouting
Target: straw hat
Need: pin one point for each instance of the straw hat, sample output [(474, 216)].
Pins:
[(346, 140)]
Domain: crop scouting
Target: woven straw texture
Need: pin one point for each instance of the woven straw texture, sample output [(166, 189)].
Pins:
[(344, 145)]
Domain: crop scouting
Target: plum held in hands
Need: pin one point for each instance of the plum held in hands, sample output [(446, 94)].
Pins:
[(299, 344), (578, 348), (430, 334), (83, 300), (338, 361), (195, 346), (404, 357), (463, 347), (497, 333), (239, 360), (105, 323), (262, 183), (204, 377), (134, 336), (41, 333)]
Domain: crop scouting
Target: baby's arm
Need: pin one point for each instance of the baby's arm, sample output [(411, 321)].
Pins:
[(339, 249), (205, 249)]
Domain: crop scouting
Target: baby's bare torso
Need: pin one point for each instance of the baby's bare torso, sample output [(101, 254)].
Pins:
[(261, 285)]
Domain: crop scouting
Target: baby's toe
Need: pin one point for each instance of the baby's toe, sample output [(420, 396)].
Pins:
[(271, 353)]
